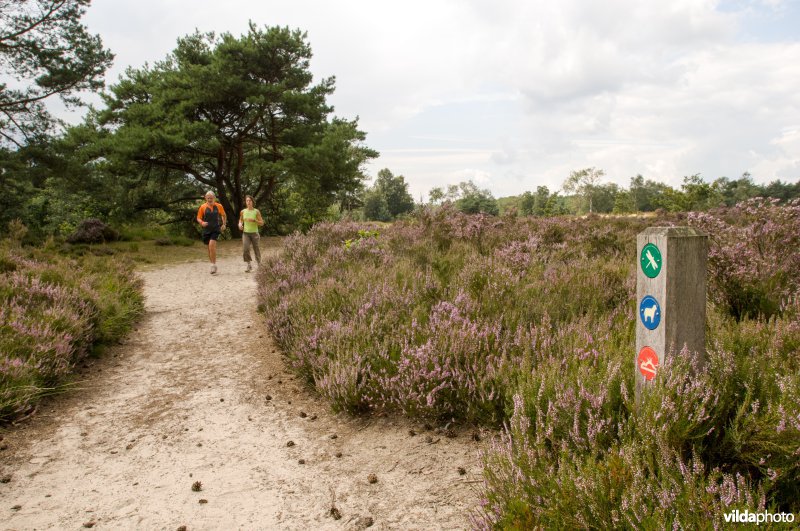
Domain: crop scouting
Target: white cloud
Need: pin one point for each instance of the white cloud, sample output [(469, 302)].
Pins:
[(518, 93)]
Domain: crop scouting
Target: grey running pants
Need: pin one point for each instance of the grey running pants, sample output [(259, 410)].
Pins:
[(251, 239)]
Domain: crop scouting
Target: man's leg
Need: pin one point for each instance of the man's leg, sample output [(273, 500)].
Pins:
[(212, 255), (212, 251)]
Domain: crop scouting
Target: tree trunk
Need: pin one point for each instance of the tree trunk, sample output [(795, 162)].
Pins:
[(231, 212)]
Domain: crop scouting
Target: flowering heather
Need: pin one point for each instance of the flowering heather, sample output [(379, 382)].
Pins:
[(754, 255), (52, 311), (528, 325)]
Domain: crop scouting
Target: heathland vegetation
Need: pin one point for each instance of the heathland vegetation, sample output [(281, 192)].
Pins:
[(527, 324), (54, 311), (509, 313)]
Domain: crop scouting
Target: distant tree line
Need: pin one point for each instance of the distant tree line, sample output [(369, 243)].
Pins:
[(466, 197), (586, 194), (389, 198), (583, 192)]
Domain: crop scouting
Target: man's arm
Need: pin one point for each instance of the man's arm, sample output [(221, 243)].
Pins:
[(200, 215)]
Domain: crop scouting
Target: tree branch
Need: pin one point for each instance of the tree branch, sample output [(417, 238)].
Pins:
[(55, 7)]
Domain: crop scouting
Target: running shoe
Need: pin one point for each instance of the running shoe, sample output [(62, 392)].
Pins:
[(213, 269)]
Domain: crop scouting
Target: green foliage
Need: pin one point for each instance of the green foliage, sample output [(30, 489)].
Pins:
[(738, 190), (237, 116), (473, 200), (780, 190), (694, 195), (436, 195), (16, 231), (624, 203), (646, 193), (362, 235), (129, 232), (375, 206), (44, 44), (174, 240), (543, 202), (645, 196), (52, 188), (585, 183), (527, 204), (388, 198)]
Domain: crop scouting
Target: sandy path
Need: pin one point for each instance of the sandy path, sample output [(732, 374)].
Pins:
[(184, 400)]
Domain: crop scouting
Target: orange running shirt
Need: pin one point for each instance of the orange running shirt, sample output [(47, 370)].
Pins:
[(214, 215)]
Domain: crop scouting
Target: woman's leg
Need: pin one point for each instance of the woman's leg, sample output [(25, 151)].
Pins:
[(246, 247), (257, 247)]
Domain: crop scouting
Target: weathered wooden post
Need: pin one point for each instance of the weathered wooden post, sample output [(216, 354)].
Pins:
[(671, 297)]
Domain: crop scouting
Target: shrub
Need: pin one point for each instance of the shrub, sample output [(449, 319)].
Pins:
[(434, 312), (53, 310), (754, 255), (93, 230), (17, 231), (528, 325)]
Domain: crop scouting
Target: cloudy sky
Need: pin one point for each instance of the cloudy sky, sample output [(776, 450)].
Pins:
[(515, 94)]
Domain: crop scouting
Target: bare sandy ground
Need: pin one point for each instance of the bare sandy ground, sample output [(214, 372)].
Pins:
[(198, 393)]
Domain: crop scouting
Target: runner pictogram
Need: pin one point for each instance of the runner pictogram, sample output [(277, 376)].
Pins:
[(647, 363)]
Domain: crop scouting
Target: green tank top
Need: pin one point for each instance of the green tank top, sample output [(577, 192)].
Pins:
[(250, 217)]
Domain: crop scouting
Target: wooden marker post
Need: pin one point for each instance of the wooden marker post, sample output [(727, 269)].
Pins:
[(670, 297)]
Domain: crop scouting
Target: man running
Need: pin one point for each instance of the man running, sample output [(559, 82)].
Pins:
[(211, 216)]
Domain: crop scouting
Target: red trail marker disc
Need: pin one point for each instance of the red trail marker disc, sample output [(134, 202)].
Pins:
[(647, 363)]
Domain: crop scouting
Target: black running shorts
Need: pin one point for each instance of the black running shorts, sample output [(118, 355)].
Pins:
[(208, 236)]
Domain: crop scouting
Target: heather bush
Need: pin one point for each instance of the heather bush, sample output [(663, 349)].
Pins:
[(93, 230), (53, 311), (528, 325), (754, 255), (631, 483)]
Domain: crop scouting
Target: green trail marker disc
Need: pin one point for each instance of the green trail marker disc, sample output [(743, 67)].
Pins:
[(651, 260)]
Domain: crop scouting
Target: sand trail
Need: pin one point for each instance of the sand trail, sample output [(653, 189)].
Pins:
[(184, 400)]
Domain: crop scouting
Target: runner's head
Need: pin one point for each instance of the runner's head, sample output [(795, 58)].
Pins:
[(210, 197), (248, 200)]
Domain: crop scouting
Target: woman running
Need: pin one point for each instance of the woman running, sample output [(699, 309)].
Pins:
[(249, 221)]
